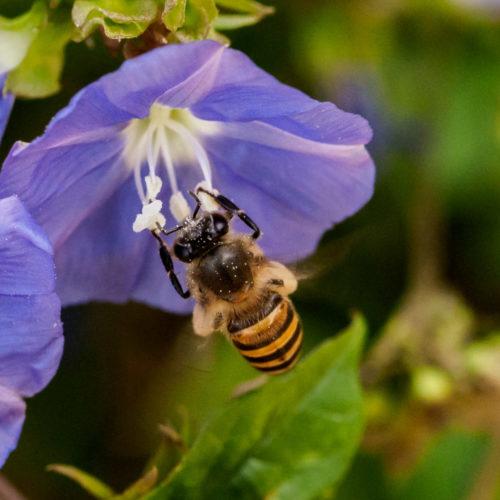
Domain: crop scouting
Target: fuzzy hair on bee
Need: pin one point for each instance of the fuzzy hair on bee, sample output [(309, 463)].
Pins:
[(238, 290)]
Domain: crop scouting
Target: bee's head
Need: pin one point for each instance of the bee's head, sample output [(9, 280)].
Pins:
[(200, 235)]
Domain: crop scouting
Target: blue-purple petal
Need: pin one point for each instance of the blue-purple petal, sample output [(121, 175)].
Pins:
[(26, 256), (30, 327), (236, 89), (31, 341), (6, 103), (12, 412), (215, 82), (62, 185), (324, 123)]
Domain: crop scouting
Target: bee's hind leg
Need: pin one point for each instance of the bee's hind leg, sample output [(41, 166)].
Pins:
[(230, 207)]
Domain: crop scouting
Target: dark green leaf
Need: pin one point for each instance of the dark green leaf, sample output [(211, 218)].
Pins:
[(366, 480), (448, 470), (291, 439)]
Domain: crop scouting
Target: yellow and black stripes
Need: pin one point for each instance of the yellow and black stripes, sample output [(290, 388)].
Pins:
[(271, 340)]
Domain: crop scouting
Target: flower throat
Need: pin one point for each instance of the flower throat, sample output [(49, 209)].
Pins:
[(167, 137)]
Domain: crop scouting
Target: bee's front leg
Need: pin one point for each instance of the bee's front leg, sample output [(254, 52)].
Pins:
[(230, 207)]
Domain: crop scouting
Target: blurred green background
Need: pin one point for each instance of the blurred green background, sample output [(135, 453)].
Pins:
[(421, 261)]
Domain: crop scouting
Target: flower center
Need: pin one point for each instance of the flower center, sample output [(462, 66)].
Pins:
[(166, 138)]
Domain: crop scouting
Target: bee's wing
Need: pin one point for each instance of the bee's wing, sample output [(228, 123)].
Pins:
[(328, 256), (278, 277), (207, 319)]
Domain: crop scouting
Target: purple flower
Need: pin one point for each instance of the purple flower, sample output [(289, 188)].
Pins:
[(129, 145), (30, 328), (6, 103)]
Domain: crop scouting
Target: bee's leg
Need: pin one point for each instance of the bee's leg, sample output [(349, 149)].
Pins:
[(166, 232), (169, 267), (198, 204), (230, 207)]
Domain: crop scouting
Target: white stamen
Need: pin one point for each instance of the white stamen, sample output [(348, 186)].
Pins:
[(137, 162), (152, 154), (150, 218), (153, 186), (169, 165), (197, 148), (138, 181), (179, 206)]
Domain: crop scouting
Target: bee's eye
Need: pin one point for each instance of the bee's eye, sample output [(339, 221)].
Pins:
[(183, 252), (220, 224)]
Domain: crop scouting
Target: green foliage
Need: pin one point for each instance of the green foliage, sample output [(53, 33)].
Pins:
[(32, 50), (98, 489), (16, 35), (140, 487), (366, 480), (291, 439), (451, 93), (191, 20), (187, 20), (39, 72), (32, 44), (448, 469), (92, 485), (118, 18), (174, 14), (247, 12)]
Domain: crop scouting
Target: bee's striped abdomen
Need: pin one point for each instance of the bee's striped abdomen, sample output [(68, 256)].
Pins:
[(272, 340)]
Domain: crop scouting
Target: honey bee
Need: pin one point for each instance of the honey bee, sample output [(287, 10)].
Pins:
[(238, 291)]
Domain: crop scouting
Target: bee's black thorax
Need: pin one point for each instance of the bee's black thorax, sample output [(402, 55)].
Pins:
[(225, 270)]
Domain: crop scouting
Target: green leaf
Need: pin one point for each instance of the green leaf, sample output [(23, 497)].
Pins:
[(98, 489), (174, 14), (194, 20), (17, 34), (366, 480), (246, 6), (448, 469), (291, 439), (247, 13), (140, 487), (233, 21), (91, 484), (38, 74), (119, 18), (496, 495)]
